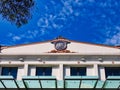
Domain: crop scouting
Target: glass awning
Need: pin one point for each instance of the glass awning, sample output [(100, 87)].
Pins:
[(69, 82)]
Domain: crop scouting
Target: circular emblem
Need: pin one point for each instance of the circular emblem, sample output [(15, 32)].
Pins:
[(60, 45)]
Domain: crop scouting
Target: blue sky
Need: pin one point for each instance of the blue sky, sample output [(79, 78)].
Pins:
[(93, 21)]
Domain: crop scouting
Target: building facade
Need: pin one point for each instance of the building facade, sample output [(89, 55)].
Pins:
[(61, 62)]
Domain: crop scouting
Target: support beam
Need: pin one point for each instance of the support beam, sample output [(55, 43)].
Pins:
[(80, 84), (61, 71), (16, 84), (104, 85), (102, 73), (3, 84), (40, 84), (95, 84), (95, 70), (24, 84), (26, 69), (119, 87)]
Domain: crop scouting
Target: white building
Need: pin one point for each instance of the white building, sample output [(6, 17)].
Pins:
[(61, 59)]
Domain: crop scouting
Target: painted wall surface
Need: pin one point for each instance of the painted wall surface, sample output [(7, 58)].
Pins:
[(77, 48), (61, 65), (28, 57)]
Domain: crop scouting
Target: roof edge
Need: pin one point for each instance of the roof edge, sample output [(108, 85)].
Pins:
[(115, 47)]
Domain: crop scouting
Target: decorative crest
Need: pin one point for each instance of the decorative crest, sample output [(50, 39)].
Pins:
[(60, 44)]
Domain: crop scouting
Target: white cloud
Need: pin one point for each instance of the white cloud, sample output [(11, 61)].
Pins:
[(61, 17), (67, 8), (118, 28), (57, 17), (115, 40), (43, 22), (15, 38), (30, 34), (10, 34), (113, 35)]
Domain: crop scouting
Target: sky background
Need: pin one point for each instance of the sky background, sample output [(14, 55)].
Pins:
[(92, 21)]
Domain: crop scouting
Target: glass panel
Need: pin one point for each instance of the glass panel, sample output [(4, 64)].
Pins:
[(13, 72), (60, 84), (1, 85), (48, 83), (10, 71), (72, 83), (88, 83), (48, 71), (112, 71), (44, 71), (39, 71), (100, 84), (20, 84), (78, 71), (5, 71), (112, 84), (32, 83), (9, 83)]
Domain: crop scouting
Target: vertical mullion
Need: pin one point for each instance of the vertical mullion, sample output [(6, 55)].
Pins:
[(44, 68), (9, 69)]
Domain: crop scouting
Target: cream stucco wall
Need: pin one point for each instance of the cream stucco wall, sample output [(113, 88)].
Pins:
[(60, 64), (28, 57), (44, 48)]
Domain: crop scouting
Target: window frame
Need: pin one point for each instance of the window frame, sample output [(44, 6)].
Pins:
[(113, 71), (10, 71)]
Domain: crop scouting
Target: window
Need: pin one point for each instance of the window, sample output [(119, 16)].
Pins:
[(44, 71), (112, 71), (78, 71), (10, 71)]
